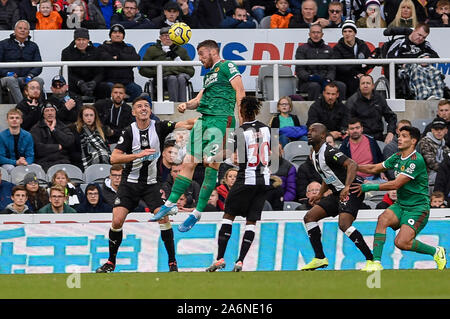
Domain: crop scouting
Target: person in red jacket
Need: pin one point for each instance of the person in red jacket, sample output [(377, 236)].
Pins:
[(226, 184)]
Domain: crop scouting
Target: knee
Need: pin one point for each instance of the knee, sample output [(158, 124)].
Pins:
[(343, 226), (402, 243), (383, 221), (308, 218), (117, 222)]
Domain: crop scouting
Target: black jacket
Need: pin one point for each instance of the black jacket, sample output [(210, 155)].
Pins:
[(140, 22), (31, 114), (297, 22), (343, 51), (46, 144), (10, 51), (306, 174), (335, 118), (101, 207), (442, 181), (314, 50), (71, 53), (9, 15), (28, 12), (123, 52), (371, 112), (113, 126), (275, 121), (63, 114)]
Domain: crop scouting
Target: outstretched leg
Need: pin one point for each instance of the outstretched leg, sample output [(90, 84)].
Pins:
[(345, 224)]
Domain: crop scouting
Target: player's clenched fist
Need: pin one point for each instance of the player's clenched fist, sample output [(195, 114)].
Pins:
[(182, 107)]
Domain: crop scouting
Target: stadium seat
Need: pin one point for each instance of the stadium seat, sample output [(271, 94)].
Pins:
[(290, 205), (381, 145), (150, 89), (297, 152), (287, 82), (19, 172), (267, 206), (375, 196), (265, 23), (370, 203), (421, 123), (96, 173), (75, 174), (83, 187), (5, 175)]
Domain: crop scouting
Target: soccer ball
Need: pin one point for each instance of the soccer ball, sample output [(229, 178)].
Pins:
[(180, 33)]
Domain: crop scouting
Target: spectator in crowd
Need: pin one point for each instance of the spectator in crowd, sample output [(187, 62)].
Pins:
[(52, 139), (19, 48), (388, 199), (31, 105), (101, 12), (16, 144), (442, 182), (329, 111), (151, 8), (167, 160), (361, 148), (94, 149), (186, 7), (191, 193), (131, 18), (354, 9), (373, 18), (47, 18), (392, 147), (432, 147), (287, 172), (284, 118), (240, 19), (392, 7), (9, 14), (405, 16), (330, 139), (27, 12), (175, 77), (57, 204), (443, 112), (425, 81), (307, 17), (19, 198), (116, 49), (437, 200), (78, 16), (370, 108), (114, 113), (74, 194), (225, 185), (280, 19), (181, 137), (274, 196), (67, 103), (94, 201), (212, 202), (312, 190), (313, 78), (350, 47), (37, 195), (442, 15), (111, 184), (5, 193), (85, 81), (306, 174), (170, 16), (261, 8), (184, 204), (335, 11)]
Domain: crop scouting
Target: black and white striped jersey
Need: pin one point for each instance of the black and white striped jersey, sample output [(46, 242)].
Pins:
[(328, 162), (133, 140), (252, 142)]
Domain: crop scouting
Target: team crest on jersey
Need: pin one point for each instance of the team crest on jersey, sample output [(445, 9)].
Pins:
[(120, 141), (402, 168), (117, 201), (216, 69)]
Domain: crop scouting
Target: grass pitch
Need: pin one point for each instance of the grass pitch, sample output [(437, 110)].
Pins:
[(399, 284)]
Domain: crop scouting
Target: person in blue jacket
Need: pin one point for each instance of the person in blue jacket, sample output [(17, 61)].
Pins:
[(16, 144)]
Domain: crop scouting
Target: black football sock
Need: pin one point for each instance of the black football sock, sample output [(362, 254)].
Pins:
[(315, 235), (115, 239), (167, 238), (224, 236), (359, 241), (247, 241)]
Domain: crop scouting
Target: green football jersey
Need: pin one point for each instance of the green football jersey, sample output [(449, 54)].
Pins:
[(415, 192), (219, 97)]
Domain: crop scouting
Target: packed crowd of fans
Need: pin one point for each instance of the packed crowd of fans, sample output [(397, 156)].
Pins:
[(61, 129)]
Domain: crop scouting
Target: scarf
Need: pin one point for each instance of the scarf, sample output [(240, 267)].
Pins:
[(93, 148), (440, 147)]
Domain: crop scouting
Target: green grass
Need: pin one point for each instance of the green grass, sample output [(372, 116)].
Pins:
[(402, 284)]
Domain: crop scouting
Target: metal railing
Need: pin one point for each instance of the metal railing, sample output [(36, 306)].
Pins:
[(160, 64)]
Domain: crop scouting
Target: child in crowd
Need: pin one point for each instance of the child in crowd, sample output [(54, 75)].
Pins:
[(437, 200), (285, 119), (18, 206), (442, 15), (281, 18), (47, 18)]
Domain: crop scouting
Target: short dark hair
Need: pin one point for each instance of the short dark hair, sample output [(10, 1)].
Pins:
[(437, 194), (169, 143), (139, 98), (211, 44), (116, 167), (118, 86), (18, 188), (250, 107), (414, 132), (366, 76), (354, 120), (332, 84), (425, 27)]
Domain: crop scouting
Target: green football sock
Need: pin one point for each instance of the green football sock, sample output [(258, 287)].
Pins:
[(378, 243), (179, 187), (209, 183), (422, 248)]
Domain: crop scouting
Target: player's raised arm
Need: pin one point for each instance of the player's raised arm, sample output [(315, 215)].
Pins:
[(191, 104), (371, 168)]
